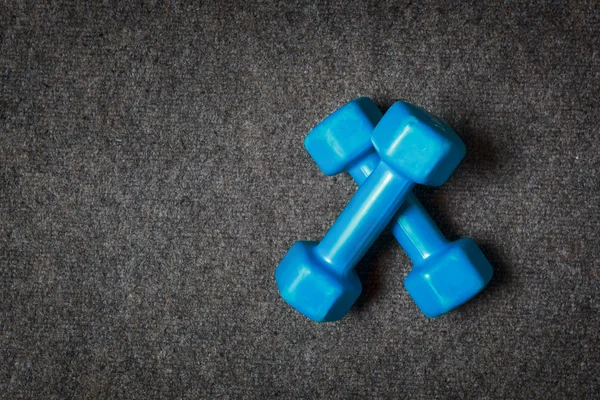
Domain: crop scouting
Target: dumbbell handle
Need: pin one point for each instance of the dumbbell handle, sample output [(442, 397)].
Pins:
[(412, 226), (369, 211)]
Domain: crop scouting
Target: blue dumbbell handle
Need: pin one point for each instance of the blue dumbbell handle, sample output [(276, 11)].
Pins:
[(369, 211), (412, 226)]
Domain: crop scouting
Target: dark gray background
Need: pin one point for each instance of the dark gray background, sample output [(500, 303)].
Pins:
[(152, 175)]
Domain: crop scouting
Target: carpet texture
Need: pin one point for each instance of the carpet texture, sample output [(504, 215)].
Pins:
[(152, 175)]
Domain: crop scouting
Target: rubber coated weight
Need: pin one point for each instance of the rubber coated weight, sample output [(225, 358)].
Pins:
[(318, 279), (446, 274)]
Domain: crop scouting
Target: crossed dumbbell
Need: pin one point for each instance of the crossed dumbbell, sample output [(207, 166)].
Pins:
[(386, 156)]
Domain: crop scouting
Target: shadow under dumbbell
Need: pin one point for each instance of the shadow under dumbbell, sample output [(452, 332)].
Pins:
[(384, 102), (502, 274), (368, 269), (482, 161)]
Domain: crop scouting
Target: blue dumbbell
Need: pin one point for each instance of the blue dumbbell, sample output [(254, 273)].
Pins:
[(446, 274), (318, 279)]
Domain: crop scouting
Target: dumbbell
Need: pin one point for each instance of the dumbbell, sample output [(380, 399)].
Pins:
[(318, 279), (445, 274)]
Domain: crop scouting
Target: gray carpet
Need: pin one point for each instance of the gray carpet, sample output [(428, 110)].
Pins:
[(152, 175)]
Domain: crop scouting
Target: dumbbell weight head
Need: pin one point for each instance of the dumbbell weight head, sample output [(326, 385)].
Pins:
[(335, 149), (423, 148), (455, 271), (448, 278), (312, 288)]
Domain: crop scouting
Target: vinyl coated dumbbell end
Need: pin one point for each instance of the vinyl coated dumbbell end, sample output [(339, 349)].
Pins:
[(448, 278), (312, 288), (423, 148), (332, 146)]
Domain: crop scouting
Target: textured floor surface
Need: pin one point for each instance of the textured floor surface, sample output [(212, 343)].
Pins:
[(152, 175)]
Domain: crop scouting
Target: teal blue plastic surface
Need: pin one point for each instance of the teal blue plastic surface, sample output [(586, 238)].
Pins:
[(446, 274), (318, 279)]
